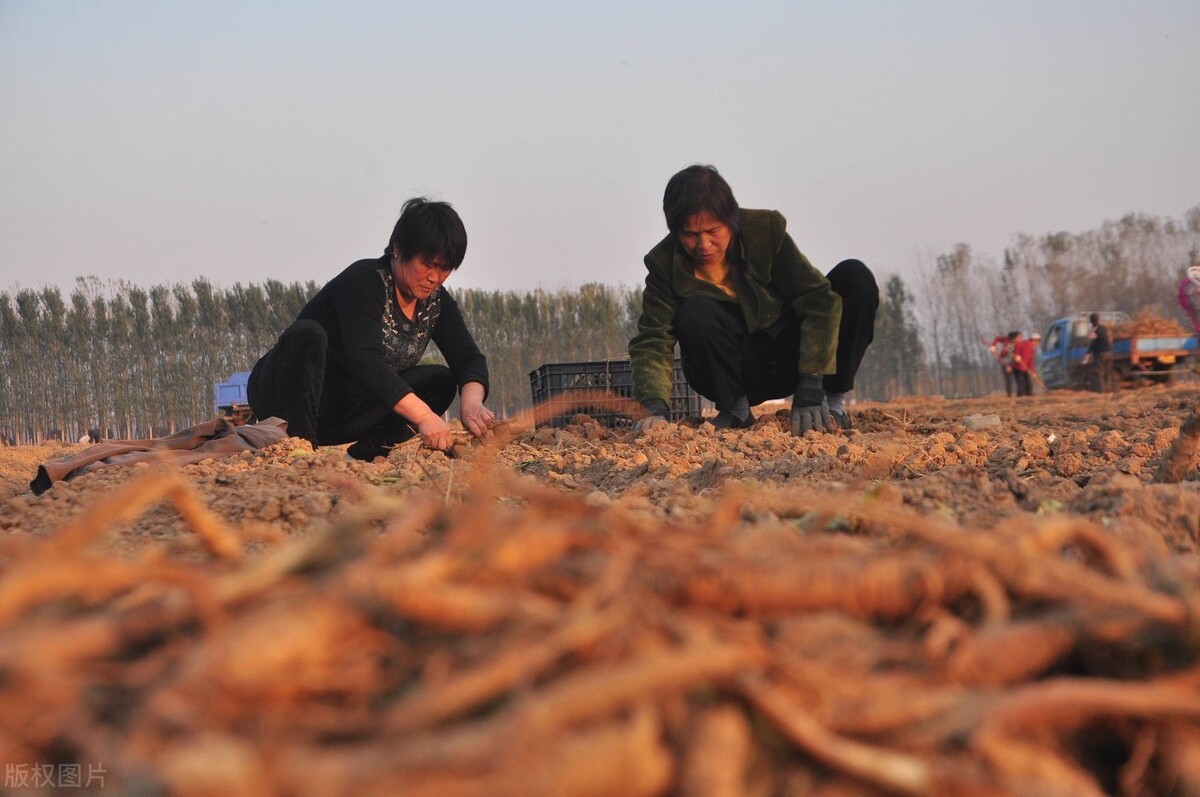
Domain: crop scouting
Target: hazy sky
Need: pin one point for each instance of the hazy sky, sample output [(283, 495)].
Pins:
[(158, 141)]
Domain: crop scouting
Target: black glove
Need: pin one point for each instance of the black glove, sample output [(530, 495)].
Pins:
[(659, 413), (810, 411)]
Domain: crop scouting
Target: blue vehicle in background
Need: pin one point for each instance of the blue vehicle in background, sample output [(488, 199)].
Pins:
[(230, 400), (1137, 358)]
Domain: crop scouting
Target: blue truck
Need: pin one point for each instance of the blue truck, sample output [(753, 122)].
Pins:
[(229, 398), (1137, 358)]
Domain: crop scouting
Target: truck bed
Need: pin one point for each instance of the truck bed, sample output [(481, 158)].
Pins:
[(1142, 346)]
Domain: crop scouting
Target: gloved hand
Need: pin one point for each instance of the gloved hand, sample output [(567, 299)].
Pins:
[(659, 412), (810, 412)]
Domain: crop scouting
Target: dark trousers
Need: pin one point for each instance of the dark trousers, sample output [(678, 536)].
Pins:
[(1010, 380), (1024, 382), (292, 382), (722, 361), (1104, 378)]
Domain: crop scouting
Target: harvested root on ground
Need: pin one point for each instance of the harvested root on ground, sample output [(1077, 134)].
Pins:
[(478, 627)]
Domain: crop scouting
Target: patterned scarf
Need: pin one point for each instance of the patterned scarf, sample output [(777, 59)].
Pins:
[(404, 341)]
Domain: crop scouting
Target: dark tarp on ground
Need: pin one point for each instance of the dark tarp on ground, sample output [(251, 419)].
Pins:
[(215, 438)]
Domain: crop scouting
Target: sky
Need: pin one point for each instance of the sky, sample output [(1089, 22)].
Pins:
[(157, 142)]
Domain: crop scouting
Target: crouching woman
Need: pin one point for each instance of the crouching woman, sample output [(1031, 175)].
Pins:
[(754, 320), (348, 369)]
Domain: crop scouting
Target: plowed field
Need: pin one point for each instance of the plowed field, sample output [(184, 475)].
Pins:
[(985, 596)]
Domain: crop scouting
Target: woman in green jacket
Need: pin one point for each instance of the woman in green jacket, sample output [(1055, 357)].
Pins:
[(754, 319)]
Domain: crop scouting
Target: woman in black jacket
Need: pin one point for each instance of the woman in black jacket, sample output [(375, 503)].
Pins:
[(347, 370)]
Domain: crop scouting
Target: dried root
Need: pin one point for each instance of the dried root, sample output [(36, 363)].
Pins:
[(519, 641)]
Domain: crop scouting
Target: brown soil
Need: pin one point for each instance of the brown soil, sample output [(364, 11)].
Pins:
[(1068, 452), (588, 611)]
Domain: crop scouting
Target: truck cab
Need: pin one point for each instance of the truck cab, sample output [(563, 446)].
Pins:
[(230, 399), (1064, 344)]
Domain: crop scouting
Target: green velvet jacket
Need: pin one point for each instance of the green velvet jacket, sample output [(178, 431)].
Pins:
[(769, 273)]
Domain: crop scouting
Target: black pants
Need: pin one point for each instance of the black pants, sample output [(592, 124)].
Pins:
[(1024, 382), (1104, 378), (722, 361), (1010, 380), (292, 382)]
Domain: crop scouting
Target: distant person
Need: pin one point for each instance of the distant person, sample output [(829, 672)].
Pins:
[(347, 370), (1001, 348), (1189, 296), (1024, 362), (1100, 357), (754, 320)]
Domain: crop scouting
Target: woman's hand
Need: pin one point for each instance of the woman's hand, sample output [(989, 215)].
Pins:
[(659, 412), (435, 433), (475, 417)]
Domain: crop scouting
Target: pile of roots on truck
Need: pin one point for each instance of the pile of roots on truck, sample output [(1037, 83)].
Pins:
[(495, 635), (1147, 349)]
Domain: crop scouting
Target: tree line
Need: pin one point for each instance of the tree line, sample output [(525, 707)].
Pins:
[(125, 361), (117, 360)]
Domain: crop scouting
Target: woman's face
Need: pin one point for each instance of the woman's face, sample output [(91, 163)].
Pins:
[(419, 276), (705, 239)]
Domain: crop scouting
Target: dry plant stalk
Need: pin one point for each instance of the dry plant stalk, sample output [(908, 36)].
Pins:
[(717, 761), (428, 706), (131, 502), (896, 772)]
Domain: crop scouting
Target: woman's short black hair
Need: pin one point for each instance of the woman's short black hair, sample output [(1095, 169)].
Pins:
[(697, 189), (429, 228)]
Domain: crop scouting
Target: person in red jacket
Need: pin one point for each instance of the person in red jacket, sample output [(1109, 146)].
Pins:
[(1001, 348), (1024, 361)]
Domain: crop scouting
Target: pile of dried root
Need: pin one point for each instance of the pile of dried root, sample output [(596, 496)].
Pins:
[(522, 642), (1147, 322)]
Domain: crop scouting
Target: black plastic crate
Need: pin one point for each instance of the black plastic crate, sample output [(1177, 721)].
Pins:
[(556, 381)]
